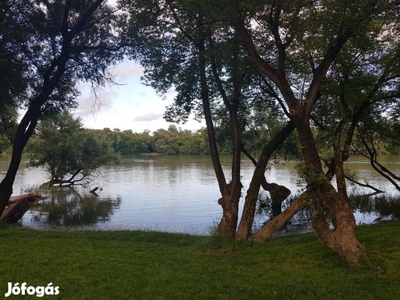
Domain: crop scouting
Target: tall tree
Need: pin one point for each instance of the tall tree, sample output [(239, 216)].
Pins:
[(174, 54), (64, 41), (187, 45), (294, 44)]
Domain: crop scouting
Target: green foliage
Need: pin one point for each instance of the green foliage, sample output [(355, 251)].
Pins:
[(66, 150), (307, 175), (361, 90), (46, 48), (12, 76), (172, 141), (51, 46)]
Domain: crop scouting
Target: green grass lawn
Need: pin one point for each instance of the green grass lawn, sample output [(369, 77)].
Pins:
[(151, 265)]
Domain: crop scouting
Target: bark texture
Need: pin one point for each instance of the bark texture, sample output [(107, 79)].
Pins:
[(327, 202)]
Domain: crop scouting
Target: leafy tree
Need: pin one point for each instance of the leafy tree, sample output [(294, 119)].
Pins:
[(69, 153), (129, 143), (360, 96), (173, 54), (188, 45), (176, 141), (171, 141), (12, 81), (295, 44), (58, 43)]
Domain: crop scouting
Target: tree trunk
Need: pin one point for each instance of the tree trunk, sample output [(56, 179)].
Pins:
[(230, 192), (327, 202), (230, 212), (342, 238), (278, 194), (18, 206), (247, 219), (24, 132), (273, 226)]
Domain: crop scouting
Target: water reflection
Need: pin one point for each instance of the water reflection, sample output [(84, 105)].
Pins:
[(171, 193), (367, 209), (71, 207), (300, 222), (383, 207)]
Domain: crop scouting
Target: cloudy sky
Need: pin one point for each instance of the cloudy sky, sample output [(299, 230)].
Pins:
[(127, 105)]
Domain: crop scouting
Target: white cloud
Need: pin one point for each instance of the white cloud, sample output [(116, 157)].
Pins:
[(148, 117)]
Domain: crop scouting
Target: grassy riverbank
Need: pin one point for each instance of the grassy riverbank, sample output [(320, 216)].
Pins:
[(150, 265)]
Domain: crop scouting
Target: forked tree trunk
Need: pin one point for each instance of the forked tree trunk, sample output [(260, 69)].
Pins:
[(230, 212), (342, 238), (230, 192), (328, 202)]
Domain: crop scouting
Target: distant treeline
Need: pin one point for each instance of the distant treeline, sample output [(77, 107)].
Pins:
[(171, 141), (175, 141)]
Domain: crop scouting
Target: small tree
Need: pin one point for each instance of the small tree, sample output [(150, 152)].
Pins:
[(69, 153)]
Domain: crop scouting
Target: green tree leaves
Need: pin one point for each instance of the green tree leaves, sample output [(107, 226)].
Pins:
[(69, 153)]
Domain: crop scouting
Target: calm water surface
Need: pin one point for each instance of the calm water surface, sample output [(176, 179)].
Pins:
[(165, 193)]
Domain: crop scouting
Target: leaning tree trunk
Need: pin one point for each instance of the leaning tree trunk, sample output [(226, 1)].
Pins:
[(17, 206), (24, 131), (247, 219), (272, 226)]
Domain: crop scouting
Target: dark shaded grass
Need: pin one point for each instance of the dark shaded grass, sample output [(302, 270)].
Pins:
[(151, 265)]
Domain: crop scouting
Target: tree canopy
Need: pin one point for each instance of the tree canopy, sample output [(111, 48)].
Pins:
[(69, 153), (321, 77), (321, 66), (58, 44)]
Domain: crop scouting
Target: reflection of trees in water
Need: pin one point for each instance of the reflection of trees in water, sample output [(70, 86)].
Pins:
[(388, 207), (68, 207), (385, 206), (300, 222)]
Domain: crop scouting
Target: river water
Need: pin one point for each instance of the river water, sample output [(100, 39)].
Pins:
[(163, 193)]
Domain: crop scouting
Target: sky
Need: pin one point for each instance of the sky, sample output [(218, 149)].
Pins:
[(128, 105)]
